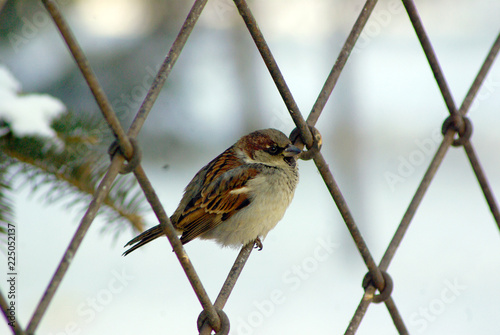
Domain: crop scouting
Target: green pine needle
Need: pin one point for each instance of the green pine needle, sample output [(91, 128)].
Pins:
[(68, 170)]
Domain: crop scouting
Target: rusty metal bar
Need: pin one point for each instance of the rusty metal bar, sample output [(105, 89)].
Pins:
[(363, 307), (478, 81), (297, 117), (469, 149), (416, 200), (231, 279), (345, 52), (348, 218), (328, 178), (273, 68), (110, 117), (181, 254), (319, 160), (411, 9), (384, 264), (105, 184), (449, 135), (396, 317), (401, 230), (99, 196), (436, 162), (360, 311), (234, 273), (305, 132), (149, 192), (483, 181), (17, 329), (167, 66), (89, 75)]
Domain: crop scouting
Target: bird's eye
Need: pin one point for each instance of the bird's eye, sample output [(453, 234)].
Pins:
[(273, 150)]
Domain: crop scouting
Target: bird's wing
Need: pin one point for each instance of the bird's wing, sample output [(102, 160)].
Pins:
[(223, 197)]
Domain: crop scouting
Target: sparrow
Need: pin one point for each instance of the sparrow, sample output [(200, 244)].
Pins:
[(239, 196)]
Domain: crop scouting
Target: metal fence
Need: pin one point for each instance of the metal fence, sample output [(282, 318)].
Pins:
[(377, 283)]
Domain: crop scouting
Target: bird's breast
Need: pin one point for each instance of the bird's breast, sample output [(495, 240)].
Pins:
[(270, 193)]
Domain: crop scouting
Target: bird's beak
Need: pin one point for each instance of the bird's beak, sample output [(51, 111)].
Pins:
[(291, 151)]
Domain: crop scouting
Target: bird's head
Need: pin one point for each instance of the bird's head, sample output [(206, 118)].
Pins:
[(268, 146)]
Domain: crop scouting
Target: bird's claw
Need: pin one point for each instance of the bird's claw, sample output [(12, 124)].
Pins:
[(258, 244)]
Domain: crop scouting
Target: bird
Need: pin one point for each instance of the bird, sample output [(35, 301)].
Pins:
[(239, 196)]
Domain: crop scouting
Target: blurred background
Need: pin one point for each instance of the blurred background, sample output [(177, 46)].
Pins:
[(380, 129)]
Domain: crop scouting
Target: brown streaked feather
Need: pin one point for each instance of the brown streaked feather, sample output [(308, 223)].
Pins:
[(216, 203), (202, 224), (221, 164), (224, 162)]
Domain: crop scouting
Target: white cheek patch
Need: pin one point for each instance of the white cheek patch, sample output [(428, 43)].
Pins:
[(249, 160)]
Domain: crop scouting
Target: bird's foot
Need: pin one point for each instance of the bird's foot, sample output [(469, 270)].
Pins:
[(258, 244)]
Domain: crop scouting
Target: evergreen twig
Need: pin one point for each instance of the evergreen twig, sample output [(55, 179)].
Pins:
[(68, 170)]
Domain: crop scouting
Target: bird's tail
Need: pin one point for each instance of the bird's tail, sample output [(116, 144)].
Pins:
[(143, 238)]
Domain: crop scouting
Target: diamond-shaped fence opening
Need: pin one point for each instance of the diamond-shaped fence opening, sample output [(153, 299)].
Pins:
[(378, 284)]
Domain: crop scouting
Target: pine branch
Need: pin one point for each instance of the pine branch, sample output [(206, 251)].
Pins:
[(73, 167)]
